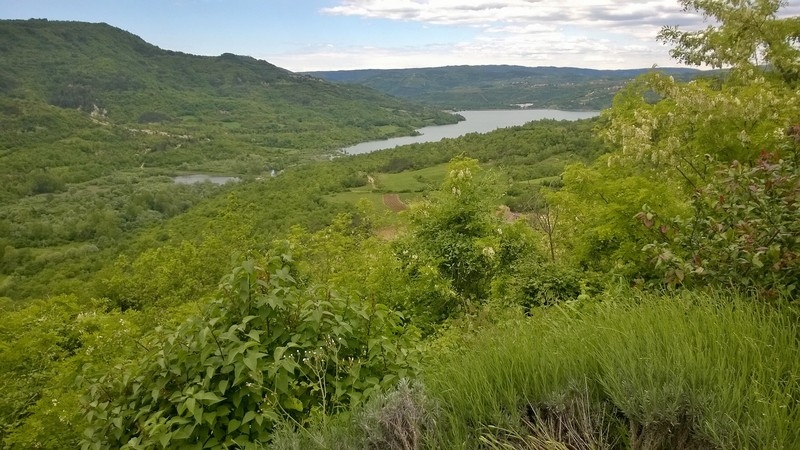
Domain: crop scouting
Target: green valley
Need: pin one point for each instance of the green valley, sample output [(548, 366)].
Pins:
[(95, 121), (622, 282)]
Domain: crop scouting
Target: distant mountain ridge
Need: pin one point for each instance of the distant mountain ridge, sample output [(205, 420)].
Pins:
[(99, 62), (82, 102), (97, 67), (500, 86)]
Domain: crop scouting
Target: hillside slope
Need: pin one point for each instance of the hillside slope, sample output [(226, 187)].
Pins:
[(122, 79), (94, 122), (487, 87)]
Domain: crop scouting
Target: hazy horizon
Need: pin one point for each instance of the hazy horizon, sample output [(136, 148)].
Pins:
[(327, 35)]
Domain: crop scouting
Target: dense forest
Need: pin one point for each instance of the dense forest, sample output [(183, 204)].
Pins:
[(95, 123), (629, 281), (499, 87)]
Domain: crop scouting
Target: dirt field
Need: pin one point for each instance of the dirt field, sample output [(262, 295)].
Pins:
[(393, 202)]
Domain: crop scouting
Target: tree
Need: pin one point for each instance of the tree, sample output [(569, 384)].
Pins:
[(598, 204), (730, 116), (459, 237), (750, 38), (745, 232), (676, 142)]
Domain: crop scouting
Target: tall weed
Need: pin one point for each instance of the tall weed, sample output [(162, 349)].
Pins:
[(652, 372)]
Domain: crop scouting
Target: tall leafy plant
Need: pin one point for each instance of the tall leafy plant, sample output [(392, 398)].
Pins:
[(745, 232), (266, 350), (459, 241)]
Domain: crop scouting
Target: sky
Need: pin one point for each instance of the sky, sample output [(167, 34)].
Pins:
[(307, 35)]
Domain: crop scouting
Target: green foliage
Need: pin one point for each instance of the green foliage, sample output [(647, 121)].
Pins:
[(456, 230), (690, 371), (45, 348), (401, 418), (672, 138), (598, 205), (121, 79), (730, 120), (667, 149), (266, 349), (745, 233), (33, 341), (458, 243), (497, 87), (310, 351), (95, 122), (533, 283), (749, 36)]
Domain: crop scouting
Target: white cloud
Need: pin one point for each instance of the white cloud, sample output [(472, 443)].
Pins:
[(575, 12), (552, 49), (600, 34)]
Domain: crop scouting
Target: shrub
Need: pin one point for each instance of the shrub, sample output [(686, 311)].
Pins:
[(398, 419), (745, 232), (537, 284), (153, 117), (264, 352)]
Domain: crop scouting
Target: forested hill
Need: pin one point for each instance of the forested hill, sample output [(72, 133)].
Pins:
[(94, 122), (500, 86), (119, 76)]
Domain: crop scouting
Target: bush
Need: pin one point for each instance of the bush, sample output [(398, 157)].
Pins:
[(397, 165), (546, 284), (153, 117), (401, 418), (264, 352), (44, 182), (745, 232)]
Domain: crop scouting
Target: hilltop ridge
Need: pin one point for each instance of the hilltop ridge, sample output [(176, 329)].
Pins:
[(501, 86), (97, 66)]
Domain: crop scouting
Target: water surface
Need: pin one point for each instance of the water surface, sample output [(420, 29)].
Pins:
[(477, 122), (202, 178)]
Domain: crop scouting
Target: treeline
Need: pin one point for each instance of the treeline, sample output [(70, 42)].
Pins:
[(646, 300), (94, 122), (499, 87)]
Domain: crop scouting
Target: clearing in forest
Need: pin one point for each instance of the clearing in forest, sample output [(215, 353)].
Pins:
[(393, 202)]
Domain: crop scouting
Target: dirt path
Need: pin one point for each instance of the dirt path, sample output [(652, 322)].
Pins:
[(393, 202)]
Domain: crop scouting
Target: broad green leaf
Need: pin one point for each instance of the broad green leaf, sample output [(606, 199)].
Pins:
[(208, 397), (233, 425), (164, 439), (250, 415), (282, 382), (278, 353), (184, 432), (190, 405), (292, 403), (251, 360)]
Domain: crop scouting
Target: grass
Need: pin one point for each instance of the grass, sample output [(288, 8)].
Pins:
[(353, 197), (655, 372), (410, 183), (684, 372), (425, 179)]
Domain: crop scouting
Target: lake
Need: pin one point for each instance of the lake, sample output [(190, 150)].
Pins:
[(202, 178), (477, 122)]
